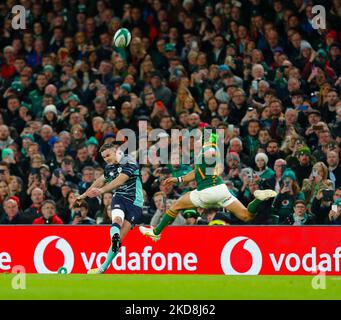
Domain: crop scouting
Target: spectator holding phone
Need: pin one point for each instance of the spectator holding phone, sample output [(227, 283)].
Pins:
[(335, 213), (314, 125), (317, 181), (322, 204), (80, 214), (304, 166), (289, 192)]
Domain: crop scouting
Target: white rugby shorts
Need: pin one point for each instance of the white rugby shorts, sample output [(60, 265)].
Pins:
[(216, 196)]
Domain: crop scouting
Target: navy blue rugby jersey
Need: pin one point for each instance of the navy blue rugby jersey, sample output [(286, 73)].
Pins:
[(132, 189)]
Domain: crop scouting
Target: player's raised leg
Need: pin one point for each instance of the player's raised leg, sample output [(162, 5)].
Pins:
[(247, 214), (118, 231), (182, 203)]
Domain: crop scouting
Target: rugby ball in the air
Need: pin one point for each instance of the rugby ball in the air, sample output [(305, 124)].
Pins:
[(122, 38)]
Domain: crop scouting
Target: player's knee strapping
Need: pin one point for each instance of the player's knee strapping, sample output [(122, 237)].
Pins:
[(117, 213)]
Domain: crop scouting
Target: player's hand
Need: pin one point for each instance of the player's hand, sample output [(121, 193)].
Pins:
[(94, 192), (170, 180)]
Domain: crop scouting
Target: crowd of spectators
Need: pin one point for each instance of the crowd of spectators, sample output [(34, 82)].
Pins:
[(256, 68)]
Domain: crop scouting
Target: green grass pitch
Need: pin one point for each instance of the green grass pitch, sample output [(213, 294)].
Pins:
[(168, 287)]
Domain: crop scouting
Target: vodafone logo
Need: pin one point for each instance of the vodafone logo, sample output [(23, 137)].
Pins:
[(234, 253), (45, 245)]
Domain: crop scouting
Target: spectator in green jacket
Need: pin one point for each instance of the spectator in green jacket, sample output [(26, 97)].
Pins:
[(262, 170), (290, 192), (300, 215)]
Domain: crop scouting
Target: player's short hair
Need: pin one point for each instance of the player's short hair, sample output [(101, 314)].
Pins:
[(108, 146)]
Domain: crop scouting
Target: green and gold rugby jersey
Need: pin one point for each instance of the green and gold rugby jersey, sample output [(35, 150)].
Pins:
[(206, 169)]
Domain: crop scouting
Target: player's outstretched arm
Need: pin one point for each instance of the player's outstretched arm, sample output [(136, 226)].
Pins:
[(98, 183), (184, 179), (119, 181)]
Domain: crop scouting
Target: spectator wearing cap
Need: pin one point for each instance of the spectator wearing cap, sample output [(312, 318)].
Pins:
[(121, 93), (261, 168), (50, 117), (111, 114), (191, 216), (49, 215), (45, 172), (92, 146), (289, 192), (161, 92), (12, 214), (307, 56), (318, 180), (303, 168)]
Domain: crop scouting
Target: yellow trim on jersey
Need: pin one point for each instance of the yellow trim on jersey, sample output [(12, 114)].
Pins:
[(171, 213), (209, 145), (202, 175)]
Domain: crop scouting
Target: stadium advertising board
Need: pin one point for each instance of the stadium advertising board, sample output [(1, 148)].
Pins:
[(181, 250)]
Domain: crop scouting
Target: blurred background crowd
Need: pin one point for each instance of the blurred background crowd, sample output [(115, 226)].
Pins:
[(256, 68)]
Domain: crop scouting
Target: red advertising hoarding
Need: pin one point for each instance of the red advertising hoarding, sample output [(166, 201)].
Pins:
[(181, 250)]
